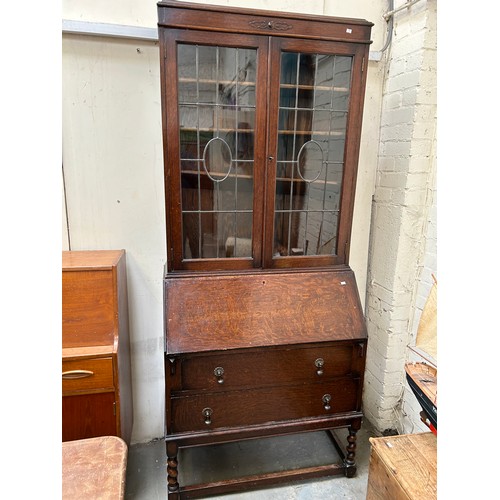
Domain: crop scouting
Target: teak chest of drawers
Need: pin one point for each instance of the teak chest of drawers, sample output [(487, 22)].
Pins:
[(96, 378)]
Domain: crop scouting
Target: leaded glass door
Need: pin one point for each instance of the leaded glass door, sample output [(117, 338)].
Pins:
[(308, 219), (218, 150)]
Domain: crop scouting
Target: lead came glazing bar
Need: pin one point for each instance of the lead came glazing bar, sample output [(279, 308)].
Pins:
[(298, 155), (293, 153), (320, 234), (217, 131), (236, 72), (198, 146)]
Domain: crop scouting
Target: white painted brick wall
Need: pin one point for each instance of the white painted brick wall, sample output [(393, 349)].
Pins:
[(403, 239)]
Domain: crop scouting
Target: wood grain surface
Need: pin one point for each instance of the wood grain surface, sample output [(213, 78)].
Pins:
[(268, 367), (95, 339), (260, 406), (94, 468), (403, 467), (229, 312)]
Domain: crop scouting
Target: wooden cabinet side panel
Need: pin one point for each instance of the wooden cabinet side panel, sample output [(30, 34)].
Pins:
[(403, 467), (125, 407), (382, 484), (352, 147)]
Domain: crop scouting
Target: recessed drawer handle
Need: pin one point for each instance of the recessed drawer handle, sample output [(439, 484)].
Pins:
[(77, 374), (319, 363), (207, 414), (219, 373), (326, 402)]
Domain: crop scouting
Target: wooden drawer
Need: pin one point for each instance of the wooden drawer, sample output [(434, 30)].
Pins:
[(259, 406), (87, 375), (266, 367)]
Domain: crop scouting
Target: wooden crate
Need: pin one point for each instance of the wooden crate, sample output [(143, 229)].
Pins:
[(403, 467)]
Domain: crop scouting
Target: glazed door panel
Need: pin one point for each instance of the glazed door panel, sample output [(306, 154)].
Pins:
[(215, 145), (311, 109)]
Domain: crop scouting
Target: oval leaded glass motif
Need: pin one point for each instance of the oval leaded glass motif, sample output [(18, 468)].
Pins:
[(310, 160), (216, 155)]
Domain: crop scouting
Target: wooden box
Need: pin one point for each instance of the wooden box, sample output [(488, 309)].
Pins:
[(403, 467)]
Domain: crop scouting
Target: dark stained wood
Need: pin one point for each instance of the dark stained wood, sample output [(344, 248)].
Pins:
[(96, 376), (317, 423), (264, 345), (172, 153), (230, 312), (199, 23), (262, 22), (260, 406), (359, 53), (258, 368), (260, 481), (173, 484), (351, 155)]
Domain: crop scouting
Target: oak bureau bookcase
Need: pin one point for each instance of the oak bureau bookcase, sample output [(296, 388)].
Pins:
[(264, 330)]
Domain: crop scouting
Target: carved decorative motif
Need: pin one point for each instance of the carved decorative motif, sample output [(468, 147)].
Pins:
[(271, 25)]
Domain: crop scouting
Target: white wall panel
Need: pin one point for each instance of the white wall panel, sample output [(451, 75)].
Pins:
[(112, 156)]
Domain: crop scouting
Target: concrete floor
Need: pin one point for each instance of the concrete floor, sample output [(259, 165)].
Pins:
[(146, 467)]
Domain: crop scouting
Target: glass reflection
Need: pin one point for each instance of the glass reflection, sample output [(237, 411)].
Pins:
[(216, 94), (312, 121)]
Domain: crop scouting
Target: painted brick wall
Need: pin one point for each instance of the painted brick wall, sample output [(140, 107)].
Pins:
[(403, 234)]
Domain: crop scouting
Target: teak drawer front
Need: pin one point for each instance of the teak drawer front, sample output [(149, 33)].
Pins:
[(259, 406), (87, 375), (88, 415), (89, 311), (265, 368)]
